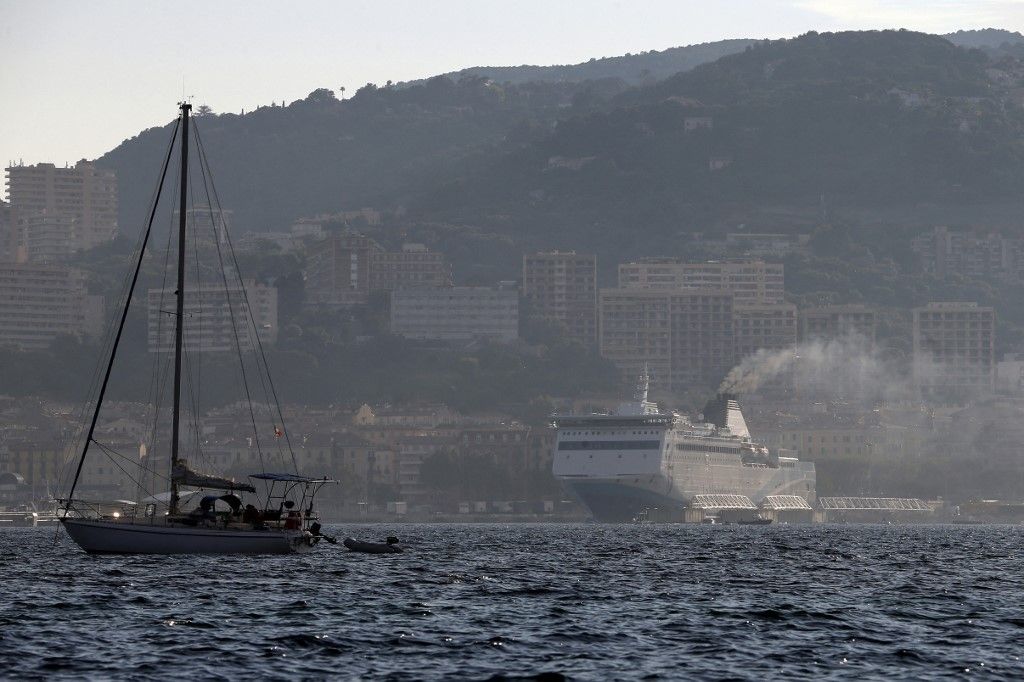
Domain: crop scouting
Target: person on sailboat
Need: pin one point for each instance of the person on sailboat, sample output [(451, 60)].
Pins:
[(252, 515), (293, 517)]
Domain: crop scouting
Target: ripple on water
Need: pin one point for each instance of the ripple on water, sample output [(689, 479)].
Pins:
[(529, 602)]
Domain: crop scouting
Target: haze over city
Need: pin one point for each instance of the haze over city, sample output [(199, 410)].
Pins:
[(532, 341), (102, 71)]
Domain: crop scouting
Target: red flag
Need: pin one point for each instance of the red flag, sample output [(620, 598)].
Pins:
[(277, 432)]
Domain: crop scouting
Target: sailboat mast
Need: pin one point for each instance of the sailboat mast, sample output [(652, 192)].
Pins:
[(179, 318)]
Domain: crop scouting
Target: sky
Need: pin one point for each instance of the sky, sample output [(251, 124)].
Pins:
[(77, 77)]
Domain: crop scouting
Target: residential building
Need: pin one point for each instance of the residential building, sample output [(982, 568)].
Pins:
[(347, 267), (46, 236), (683, 337), (414, 266), (693, 123), (838, 322), (954, 349), (767, 245), (339, 271), (84, 193), (456, 314), (39, 461), (768, 326), (212, 314), (8, 242), (970, 253), (749, 281), (207, 226), (562, 287), (38, 302)]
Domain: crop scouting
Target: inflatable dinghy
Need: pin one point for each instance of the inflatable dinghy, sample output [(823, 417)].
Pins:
[(389, 547)]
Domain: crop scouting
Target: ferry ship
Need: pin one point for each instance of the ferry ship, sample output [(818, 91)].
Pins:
[(641, 462)]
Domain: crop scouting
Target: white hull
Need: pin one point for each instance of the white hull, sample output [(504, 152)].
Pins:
[(126, 537)]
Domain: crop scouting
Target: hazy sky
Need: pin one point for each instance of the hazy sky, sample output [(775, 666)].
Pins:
[(79, 76)]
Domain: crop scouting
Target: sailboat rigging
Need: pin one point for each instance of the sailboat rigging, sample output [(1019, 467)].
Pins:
[(284, 522)]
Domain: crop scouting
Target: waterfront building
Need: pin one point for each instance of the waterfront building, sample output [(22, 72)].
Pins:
[(211, 316), (954, 349), (562, 287), (39, 302), (456, 314)]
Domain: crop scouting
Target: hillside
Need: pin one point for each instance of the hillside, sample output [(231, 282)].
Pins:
[(634, 69), (321, 154), (862, 119), (859, 121)]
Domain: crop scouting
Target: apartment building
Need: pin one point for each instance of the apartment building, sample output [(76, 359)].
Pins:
[(86, 194), (38, 302), (839, 322), (970, 253), (211, 316), (562, 287), (749, 281), (769, 326), (456, 314), (954, 349), (414, 266), (347, 267), (8, 243), (338, 275), (684, 337)]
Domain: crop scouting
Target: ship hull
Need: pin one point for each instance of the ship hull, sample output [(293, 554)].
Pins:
[(612, 501), (120, 537), (621, 499)]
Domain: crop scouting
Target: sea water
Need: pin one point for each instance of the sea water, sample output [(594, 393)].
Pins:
[(521, 601)]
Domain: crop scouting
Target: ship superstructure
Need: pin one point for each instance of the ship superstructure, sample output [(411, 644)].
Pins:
[(639, 459)]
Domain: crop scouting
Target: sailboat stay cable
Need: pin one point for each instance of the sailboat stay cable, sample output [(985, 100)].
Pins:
[(120, 327), (231, 308), (259, 343), (108, 451), (104, 349), (161, 367), (196, 358)]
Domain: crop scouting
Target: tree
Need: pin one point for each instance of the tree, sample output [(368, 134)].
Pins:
[(342, 88), (203, 110)]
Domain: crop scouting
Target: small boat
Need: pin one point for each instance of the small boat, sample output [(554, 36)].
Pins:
[(389, 547)]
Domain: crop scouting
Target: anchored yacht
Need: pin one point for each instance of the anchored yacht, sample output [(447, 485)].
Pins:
[(623, 465)]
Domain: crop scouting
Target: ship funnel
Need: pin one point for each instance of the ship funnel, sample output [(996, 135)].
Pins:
[(724, 412)]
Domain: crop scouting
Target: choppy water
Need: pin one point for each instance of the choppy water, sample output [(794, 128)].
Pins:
[(482, 601)]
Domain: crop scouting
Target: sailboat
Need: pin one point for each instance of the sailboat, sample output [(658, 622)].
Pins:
[(283, 521)]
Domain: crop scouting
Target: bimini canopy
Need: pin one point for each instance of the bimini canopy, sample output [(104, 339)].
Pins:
[(290, 478), (208, 502)]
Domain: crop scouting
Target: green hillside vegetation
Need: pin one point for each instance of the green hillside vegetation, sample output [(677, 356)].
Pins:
[(321, 154)]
